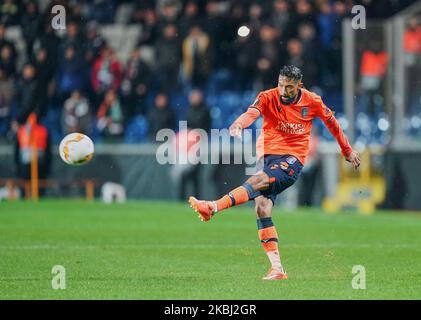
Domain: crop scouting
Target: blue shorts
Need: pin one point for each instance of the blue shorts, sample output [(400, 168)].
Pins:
[(283, 171)]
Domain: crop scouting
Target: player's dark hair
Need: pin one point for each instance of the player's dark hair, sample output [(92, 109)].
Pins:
[(291, 72)]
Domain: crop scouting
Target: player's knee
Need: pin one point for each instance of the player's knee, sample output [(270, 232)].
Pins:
[(259, 181), (263, 208)]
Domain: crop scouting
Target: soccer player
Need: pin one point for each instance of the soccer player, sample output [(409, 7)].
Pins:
[(282, 147)]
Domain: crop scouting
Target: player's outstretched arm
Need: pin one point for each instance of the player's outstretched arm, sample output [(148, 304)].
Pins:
[(335, 129), (244, 121)]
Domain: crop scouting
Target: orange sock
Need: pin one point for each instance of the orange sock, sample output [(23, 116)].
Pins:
[(235, 197), (269, 238)]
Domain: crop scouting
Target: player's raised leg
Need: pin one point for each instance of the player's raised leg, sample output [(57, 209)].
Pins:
[(244, 193), (269, 238)]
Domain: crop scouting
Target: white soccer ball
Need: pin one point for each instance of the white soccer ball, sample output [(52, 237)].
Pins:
[(76, 149)]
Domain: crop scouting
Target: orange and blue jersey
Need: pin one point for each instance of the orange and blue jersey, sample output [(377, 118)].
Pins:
[(287, 128)]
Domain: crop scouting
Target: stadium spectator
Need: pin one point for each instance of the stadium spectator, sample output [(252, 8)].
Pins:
[(7, 91), (27, 93), (31, 23), (373, 68), (329, 24), (304, 13), (149, 34), (307, 36), (78, 14), (102, 11), (189, 18), (110, 116), (73, 38), (95, 42), (412, 47), (10, 12), (198, 115), (184, 172), (412, 36), (303, 60), (51, 42), (327, 21), (161, 116), (197, 57), (5, 42), (141, 9), (45, 74), (76, 116), (268, 57), (71, 74), (8, 61), (135, 85), (237, 16), (311, 52), (30, 134), (280, 14), (168, 13), (256, 16), (217, 29), (244, 65), (106, 73), (168, 58)]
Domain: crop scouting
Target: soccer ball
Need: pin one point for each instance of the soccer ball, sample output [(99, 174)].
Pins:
[(76, 149)]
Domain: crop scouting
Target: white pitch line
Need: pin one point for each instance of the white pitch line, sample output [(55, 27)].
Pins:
[(207, 246)]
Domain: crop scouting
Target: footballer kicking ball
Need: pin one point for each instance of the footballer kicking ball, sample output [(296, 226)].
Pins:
[(76, 149)]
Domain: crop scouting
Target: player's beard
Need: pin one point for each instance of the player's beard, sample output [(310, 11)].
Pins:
[(288, 100)]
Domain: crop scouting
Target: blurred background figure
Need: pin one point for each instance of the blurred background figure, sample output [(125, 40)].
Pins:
[(106, 74), (135, 85), (168, 58), (7, 92), (198, 115), (31, 23), (94, 42), (76, 115), (110, 116), (373, 68), (28, 94), (186, 173), (161, 116), (71, 75), (412, 47), (268, 58), (31, 135), (197, 58)]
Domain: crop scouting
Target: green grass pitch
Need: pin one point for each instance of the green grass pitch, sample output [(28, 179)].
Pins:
[(158, 250)]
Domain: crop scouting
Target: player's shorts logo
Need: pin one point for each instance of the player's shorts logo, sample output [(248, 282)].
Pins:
[(291, 160), (284, 165)]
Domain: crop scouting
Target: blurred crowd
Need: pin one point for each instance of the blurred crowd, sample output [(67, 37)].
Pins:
[(191, 42)]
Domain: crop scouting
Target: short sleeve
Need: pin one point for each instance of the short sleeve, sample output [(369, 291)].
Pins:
[(259, 103)]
